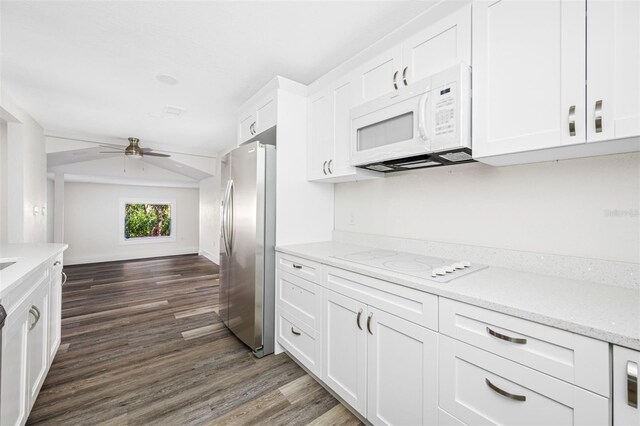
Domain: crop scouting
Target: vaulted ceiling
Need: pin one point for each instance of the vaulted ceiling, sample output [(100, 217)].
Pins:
[(92, 67)]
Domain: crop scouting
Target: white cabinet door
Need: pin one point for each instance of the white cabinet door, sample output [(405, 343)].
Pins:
[(343, 95), (245, 127), (402, 360), (345, 349), (55, 309), (380, 75), (320, 146), (613, 70), (266, 114), (440, 46), (13, 406), (528, 75), (38, 339), (626, 364)]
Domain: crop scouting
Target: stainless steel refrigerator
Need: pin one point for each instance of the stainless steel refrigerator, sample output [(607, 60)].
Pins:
[(247, 237)]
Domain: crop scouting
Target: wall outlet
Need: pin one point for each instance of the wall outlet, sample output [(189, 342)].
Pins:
[(352, 219)]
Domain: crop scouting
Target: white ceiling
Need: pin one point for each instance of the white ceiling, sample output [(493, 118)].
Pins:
[(91, 67)]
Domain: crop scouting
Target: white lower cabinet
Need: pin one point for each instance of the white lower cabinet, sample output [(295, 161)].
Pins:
[(402, 371), (345, 349), (400, 356), (15, 335), (478, 387), (38, 339), (626, 363)]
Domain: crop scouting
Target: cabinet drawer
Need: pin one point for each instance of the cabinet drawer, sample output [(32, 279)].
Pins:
[(27, 285), (300, 340), (478, 387), (413, 305), (300, 267), (301, 298), (576, 359)]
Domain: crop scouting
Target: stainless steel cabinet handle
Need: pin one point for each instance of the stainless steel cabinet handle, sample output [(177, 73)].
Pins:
[(572, 120), (64, 276), (251, 128), (329, 167), (369, 323), (358, 319), (324, 168), (56, 263), (296, 266), (598, 116), (505, 393), (36, 313), (517, 340), (632, 384), (297, 333), (232, 215), (395, 75), (404, 76)]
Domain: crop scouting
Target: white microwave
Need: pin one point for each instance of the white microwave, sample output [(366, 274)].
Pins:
[(425, 124)]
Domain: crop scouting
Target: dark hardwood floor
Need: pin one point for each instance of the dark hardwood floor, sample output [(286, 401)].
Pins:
[(142, 344)]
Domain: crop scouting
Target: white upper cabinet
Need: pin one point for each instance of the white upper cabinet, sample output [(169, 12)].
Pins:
[(441, 45), (613, 70), (257, 117), (528, 75), (380, 75), (318, 133)]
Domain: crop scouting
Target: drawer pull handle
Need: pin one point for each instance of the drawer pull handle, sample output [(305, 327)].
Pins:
[(505, 393), (632, 384), (358, 319), (517, 340), (395, 85), (369, 323), (64, 276), (297, 333), (296, 266)]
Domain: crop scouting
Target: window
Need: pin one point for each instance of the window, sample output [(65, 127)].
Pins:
[(147, 221)]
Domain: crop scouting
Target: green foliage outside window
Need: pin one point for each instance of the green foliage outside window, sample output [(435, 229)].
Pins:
[(147, 220)]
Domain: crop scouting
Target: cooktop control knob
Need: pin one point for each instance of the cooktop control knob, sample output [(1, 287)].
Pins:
[(458, 265), (449, 269), (439, 271), (466, 263)]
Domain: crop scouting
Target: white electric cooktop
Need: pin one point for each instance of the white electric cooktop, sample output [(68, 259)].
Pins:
[(425, 267)]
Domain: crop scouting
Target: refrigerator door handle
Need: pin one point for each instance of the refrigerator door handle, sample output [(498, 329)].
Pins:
[(230, 223), (223, 219)]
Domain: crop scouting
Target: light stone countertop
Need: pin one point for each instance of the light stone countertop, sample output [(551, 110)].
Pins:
[(595, 310), (27, 257)]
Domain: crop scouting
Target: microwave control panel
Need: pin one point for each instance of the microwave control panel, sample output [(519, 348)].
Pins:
[(444, 106)]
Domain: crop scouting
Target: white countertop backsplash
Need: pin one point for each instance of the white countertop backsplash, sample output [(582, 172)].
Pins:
[(619, 274), (27, 257), (604, 312)]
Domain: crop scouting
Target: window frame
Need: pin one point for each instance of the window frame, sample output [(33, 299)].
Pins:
[(147, 240)]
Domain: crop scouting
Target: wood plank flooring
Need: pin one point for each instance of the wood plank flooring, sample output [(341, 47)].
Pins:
[(142, 344)]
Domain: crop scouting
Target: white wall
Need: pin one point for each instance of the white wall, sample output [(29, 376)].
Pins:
[(3, 183), (210, 218), (26, 175), (584, 207), (50, 209), (92, 222)]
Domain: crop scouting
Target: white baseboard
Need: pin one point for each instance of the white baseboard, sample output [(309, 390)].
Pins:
[(71, 260), (215, 258)]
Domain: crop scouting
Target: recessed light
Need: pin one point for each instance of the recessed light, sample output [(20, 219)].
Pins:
[(167, 79)]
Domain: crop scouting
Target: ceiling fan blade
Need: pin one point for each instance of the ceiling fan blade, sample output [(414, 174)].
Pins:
[(109, 145), (155, 154), (110, 152)]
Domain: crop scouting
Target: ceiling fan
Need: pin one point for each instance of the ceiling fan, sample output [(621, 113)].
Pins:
[(133, 150)]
